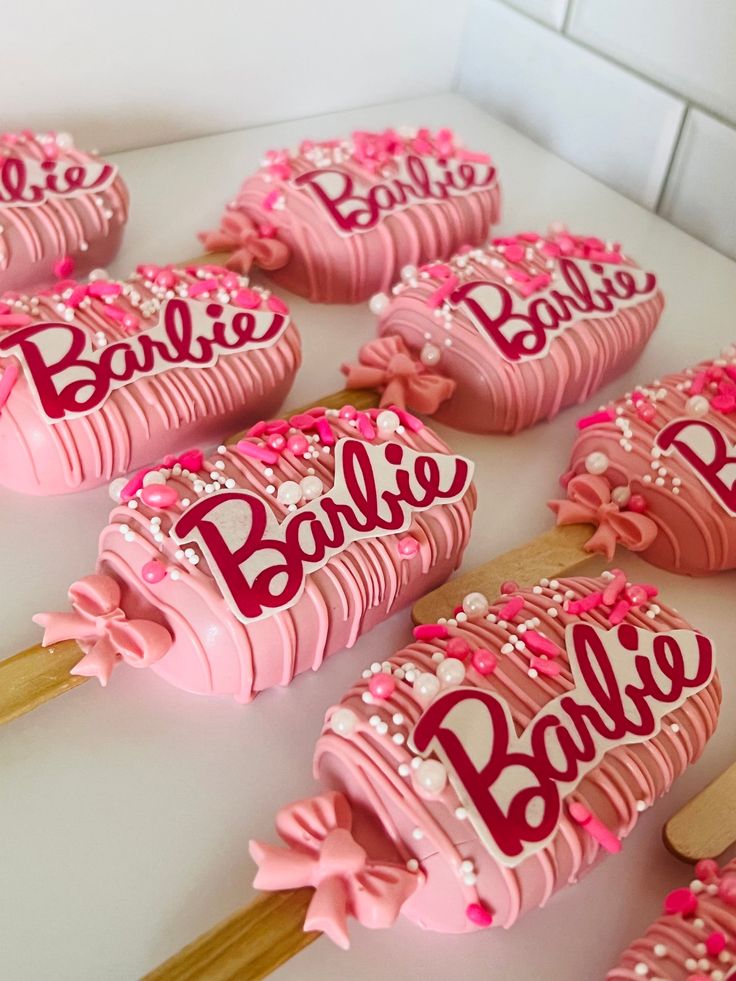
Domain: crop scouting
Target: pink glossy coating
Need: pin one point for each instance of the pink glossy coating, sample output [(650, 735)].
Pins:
[(694, 939), (405, 813), (671, 472), (153, 571), (350, 214), (517, 349), (213, 652), (155, 413), (45, 235)]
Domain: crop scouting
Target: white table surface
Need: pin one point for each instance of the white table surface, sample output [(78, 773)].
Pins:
[(125, 814)]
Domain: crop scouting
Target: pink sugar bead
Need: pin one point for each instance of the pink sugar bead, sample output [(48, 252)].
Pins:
[(727, 890), (430, 631), (248, 299), (484, 661), (63, 268), (706, 870), (457, 647), (153, 571), (297, 444), (408, 547), (715, 943), (382, 686), (277, 305), (276, 441), (646, 411), (509, 587), (159, 496), (479, 915), (191, 460), (681, 901), (637, 504)]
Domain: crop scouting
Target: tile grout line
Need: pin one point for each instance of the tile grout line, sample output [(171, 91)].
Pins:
[(671, 162)]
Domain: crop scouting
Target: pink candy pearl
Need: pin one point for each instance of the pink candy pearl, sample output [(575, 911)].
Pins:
[(153, 571), (706, 870), (715, 943), (276, 441), (646, 411), (479, 915), (727, 890), (275, 305), (637, 595), (159, 496), (484, 661), (382, 686), (64, 267), (681, 901), (297, 444), (457, 647), (637, 504), (408, 547), (509, 587)]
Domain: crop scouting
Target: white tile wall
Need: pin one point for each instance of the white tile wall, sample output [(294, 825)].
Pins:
[(136, 72), (699, 196), (640, 93), (687, 46), (550, 12), (613, 125)]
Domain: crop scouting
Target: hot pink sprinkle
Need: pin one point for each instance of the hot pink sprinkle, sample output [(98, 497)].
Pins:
[(297, 444), (681, 901), (63, 268), (619, 613), (270, 200), (706, 870), (442, 293), (191, 460), (576, 607), (325, 432), (365, 426), (153, 571), (615, 587), (159, 496), (646, 411), (408, 547), (539, 644), (509, 610), (430, 631), (407, 419), (102, 288), (276, 305), (248, 299), (437, 270), (256, 452), (457, 647), (637, 504), (484, 661), (605, 415), (382, 686), (715, 943), (479, 915), (595, 828), (203, 286)]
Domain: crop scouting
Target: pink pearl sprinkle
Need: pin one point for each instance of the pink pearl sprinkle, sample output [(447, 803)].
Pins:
[(457, 647), (509, 587), (479, 915), (159, 496), (484, 661), (408, 547), (706, 870), (382, 686), (646, 411), (681, 901), (276, 441), (715, 943), (153, 571), (63, 268), (637, 504), (727, 890), (297, 444)]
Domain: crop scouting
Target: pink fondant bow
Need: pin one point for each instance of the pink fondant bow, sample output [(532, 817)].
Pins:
[(388, 365), (322, 853), (247, 242), (103, 631), (589, 502)]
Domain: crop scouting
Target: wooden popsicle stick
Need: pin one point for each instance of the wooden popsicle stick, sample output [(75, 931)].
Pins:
[(246, 947), (560, 549), (706, 826), (37, 675), (234, 950)]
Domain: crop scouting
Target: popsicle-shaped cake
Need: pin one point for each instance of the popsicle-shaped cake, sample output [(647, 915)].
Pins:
[(98, 378), (231, 573), (336, 220), (657, 468), (497, 758), (61, 210), (500, 337)]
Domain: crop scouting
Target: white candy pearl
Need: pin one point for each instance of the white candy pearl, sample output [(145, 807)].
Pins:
[(596, 463), (431, 776), (116, 488), (388, 422), (621, 496), (289, 492), (153, 477), (475, 605), (426, 686), (408, 273), (64, 140), (698, 405), (378, 303), (98, 274), (451, 672), (311, 487), (343, 721), (430, 355)]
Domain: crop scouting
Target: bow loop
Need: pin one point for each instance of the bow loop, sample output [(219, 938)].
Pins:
[(103, 631), (388, 365), (247, 242), (589, 501), (321, 852)]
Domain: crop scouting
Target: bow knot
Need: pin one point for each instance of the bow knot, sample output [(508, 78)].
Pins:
[(321, 852), (103, 631), (247, 242), (388, 365), (589, 501)]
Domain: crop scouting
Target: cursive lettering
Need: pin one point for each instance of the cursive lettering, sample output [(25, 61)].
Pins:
[(708, 453), (25, 183)]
